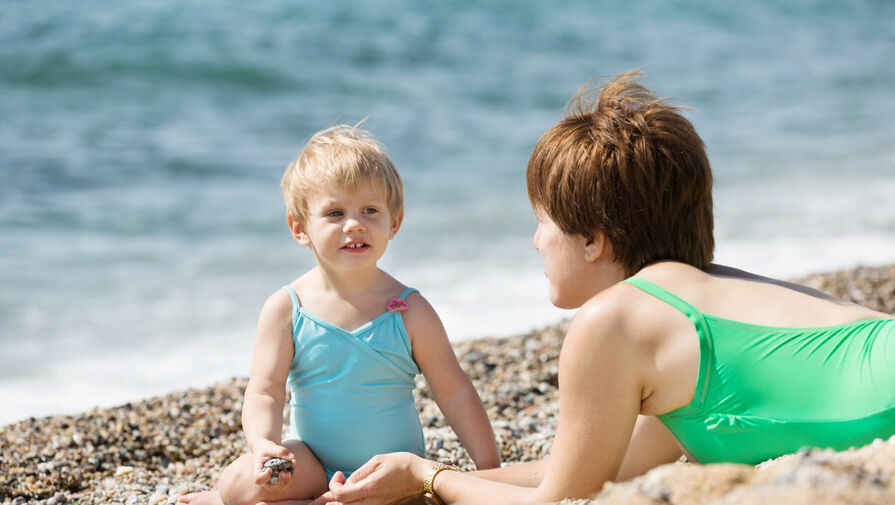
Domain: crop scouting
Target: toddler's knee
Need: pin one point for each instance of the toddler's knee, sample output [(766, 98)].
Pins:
[(236, 485)]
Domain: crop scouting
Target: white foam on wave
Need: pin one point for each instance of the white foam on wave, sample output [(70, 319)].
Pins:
[(795, 224), (491, 300), (787, 259), (106, 379)]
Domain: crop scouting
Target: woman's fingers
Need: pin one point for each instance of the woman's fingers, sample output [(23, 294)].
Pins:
[(338, 480), (360, 492), (323, 499), (329, 497), (365, 501), (349, 492), (381, 480), (363, 472)]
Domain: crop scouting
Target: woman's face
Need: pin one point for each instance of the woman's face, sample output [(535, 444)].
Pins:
[(565, 263)]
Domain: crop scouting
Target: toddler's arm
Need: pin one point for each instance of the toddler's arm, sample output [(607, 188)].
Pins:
[(453, 391), (262, 413)]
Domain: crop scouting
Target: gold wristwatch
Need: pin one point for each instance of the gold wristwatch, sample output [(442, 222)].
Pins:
[(428, 491)]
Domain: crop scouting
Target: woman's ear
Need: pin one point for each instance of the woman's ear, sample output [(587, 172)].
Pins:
[(297, 229), (596, 247)]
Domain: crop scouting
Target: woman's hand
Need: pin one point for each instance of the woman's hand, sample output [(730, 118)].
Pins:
[(382, 480), (263, 451)]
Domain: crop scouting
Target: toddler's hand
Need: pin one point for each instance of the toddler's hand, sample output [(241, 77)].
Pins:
[(264, 451)]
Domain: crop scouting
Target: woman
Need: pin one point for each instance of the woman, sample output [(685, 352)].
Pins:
[(668, 354)]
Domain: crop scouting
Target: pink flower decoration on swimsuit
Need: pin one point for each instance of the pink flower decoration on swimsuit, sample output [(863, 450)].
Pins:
[(397, 305)]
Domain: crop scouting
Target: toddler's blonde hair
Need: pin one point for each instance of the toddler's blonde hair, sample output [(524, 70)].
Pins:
[(343, 155)]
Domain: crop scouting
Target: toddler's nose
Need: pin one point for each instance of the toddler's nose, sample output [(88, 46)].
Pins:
[(353, 224)]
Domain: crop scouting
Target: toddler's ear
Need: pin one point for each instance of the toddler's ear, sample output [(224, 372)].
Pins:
[(297, 229), (396, 223)]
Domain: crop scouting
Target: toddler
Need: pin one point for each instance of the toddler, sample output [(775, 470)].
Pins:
[(346, 338)]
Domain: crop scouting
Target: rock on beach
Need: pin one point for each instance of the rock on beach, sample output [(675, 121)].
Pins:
[(150, 452)]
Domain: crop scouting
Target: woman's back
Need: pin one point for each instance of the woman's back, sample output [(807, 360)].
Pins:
[(778, 368), (748, 298)]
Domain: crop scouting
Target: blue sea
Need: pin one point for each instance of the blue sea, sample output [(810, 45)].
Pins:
[(142, 142)]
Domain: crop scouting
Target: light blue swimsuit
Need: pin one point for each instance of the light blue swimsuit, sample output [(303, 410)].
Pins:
[(352, 391)]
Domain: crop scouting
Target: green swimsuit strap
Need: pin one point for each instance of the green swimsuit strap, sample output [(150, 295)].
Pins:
[(703, 331), (666, 296)]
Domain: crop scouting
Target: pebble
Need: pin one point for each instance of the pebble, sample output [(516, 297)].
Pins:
[(156, 449), (57, 499), (278, 465)]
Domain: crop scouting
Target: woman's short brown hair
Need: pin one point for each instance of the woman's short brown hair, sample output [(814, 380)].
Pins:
[(630, 166)]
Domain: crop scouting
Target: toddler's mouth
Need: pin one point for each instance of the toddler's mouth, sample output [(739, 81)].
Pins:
[(355, 246)]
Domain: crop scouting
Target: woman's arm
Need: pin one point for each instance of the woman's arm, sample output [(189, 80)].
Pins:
[(451, 387), (529, 474), (651, 445), (388, 478), (600, 393), (600, 389)]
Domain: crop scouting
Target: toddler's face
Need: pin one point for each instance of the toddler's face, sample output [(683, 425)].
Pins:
[(346, 228)]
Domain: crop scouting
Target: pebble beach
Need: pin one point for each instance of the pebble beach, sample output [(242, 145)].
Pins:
[(152, 451)]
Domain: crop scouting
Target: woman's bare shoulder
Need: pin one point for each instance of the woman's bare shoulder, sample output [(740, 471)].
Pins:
[(620, 312)]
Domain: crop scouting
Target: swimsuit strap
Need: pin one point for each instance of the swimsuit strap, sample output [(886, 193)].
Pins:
[(665, 295), (292, 294), (296, 305), (703, 331), (404, 294)]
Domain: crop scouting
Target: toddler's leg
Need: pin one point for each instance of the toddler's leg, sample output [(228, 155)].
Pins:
[(237, 484)]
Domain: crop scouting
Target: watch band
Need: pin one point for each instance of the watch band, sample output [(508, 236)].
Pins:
[(429, 484)]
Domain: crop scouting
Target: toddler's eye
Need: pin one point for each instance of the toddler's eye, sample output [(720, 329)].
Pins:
[(371, 210), (334, 213)]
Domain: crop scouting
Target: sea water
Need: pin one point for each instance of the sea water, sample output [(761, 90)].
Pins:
[(142, 142)]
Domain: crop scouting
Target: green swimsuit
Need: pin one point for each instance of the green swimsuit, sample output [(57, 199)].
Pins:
[(763, 392)]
